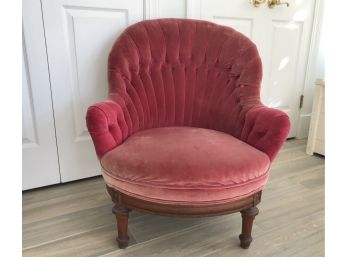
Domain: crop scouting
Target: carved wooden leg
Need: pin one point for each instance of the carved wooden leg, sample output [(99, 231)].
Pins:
[(248, 216), (122, 226)]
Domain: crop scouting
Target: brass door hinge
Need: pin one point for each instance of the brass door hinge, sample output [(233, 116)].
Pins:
[(301, 101)]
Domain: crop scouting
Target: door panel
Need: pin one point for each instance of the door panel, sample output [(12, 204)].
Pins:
[(40, 160), (282, 35), (79, 35), (283, 62), (243, 25), (88, 57)]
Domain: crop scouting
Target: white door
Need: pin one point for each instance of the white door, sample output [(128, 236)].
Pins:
[(39, 154), (282, 35), (79, 36)]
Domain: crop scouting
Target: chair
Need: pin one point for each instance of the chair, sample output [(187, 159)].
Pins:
[(183, 131)]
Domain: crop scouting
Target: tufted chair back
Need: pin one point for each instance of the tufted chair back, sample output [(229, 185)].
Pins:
[(174, 72)]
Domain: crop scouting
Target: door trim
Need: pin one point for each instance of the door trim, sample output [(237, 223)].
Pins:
[(308, 85)]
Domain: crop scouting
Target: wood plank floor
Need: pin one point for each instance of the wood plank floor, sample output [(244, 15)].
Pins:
[(75, 219)]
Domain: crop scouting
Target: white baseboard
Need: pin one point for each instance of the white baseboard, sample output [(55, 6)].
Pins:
[(303, 126)]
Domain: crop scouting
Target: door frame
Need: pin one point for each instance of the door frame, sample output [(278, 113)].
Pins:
[(305, 113)]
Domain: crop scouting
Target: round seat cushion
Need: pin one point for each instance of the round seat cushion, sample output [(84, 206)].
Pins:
[(185, 165)]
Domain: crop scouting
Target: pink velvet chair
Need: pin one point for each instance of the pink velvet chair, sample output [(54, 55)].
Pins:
[(183, 131)]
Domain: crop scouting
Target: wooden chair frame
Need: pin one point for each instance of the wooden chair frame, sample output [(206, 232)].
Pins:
[(125, 203)]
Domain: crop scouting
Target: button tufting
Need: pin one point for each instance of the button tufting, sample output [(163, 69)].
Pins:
[(159, 83)]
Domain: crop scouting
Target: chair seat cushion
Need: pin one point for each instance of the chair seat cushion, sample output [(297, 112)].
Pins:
[(185, 165)]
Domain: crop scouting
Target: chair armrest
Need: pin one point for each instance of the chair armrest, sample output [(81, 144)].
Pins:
[(266, 129), (106, 125)]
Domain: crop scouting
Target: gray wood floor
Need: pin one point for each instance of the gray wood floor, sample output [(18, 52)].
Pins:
[(75, 219)]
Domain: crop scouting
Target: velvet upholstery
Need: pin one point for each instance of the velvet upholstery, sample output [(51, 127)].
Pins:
[(185, 165), (184, 73)]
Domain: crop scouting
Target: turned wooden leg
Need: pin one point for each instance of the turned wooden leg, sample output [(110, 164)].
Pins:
[(122, 226), (248, 216)]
